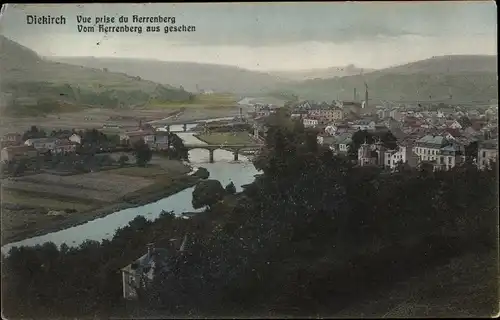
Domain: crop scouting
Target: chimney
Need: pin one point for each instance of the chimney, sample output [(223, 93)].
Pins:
[(366, 95), (150, 247)]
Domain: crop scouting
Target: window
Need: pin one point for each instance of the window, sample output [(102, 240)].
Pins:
[(449, 160), (484, 154)]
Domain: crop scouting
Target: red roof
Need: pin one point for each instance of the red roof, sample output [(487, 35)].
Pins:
[(453, 132)]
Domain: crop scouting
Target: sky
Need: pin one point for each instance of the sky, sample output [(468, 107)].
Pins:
[(268, 36)]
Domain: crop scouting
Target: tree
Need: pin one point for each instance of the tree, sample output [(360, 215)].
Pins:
[(123, 160), (20, 167), (471, 150), (230, 188), (207, 193), (142, 153), (34, 133), (465, 122)]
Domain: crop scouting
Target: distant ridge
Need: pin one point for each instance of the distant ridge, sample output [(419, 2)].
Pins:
[(190, 75), (321, 73), (458, 79), (24, 74)]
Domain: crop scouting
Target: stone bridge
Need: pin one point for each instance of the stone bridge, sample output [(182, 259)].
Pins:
[(166, 123), (234, 148)]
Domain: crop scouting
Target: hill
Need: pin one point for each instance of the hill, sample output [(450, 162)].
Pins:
[(192, 76), (451, 79), (324, 73), (28, 77), (451, 64)]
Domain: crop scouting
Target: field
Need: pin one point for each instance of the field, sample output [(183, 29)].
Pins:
[(227, 138), (200, 101), (97, 118), (34, 199), (27, 200), (100, 186)]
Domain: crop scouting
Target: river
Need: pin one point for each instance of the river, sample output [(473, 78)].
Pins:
[(224, 169)]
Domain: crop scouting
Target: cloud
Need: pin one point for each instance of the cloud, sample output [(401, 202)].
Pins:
[(270, 35), (268, 24)]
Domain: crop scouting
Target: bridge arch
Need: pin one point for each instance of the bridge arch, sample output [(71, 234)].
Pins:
[(235, 149)]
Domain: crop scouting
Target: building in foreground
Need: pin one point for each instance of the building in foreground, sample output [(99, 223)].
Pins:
[(138, 276), (487, 153)]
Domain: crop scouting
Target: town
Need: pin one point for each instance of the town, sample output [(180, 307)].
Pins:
[(435, 135)]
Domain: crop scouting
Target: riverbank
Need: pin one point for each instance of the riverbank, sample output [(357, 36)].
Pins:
[(151, 193)]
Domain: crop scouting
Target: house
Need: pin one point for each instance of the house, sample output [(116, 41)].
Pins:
[(42, 144), (453, 124), (12, 138), (263, 111), (161, 140), (63, 146), (310, 122), (404, 154), (327, 113), (336, 129), (132, 137), (364, 125), (366, 155), (440, 151), (75, 138), (395, 114), (18, 152), (487, 153), (260, 128), (141, 274), (304, 105), (383, 113), (445, 112), (298, 114), (478, 124), (342, 142)]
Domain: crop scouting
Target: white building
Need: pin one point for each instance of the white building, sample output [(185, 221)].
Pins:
[(487, 153), (364, 125), (404, 154), (439, 151), (42, 144), (366, 156), (75, 138), (310, 122)]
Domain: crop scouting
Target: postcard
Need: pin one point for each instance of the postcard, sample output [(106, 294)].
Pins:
[(264, 160)]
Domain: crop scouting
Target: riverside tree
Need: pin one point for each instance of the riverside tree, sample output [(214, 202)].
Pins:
[(142, 153), (207, 193)]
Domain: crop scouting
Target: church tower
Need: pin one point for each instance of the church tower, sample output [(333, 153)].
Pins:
[(380, 149), (365, 155)]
